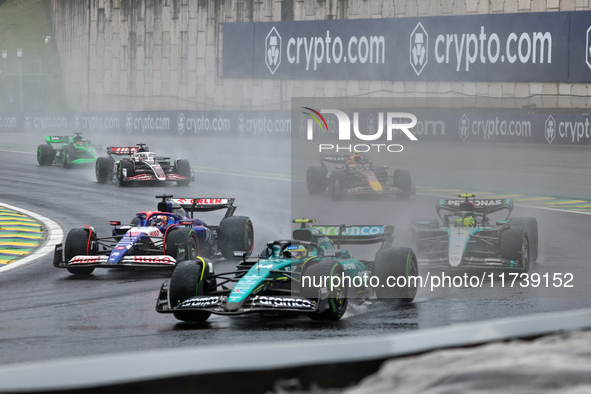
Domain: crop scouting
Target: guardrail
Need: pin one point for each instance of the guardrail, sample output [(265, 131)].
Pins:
[(254, 368)]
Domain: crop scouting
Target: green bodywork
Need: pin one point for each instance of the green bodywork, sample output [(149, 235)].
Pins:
[(85, 152), (272, 268)]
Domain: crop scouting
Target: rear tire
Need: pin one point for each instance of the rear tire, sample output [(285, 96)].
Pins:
[(338, 297), (181, 244), (104, 169), (531, 225), (235, 234), (78, 244), (128, 165), (190, 278), (338, 183), (402, 181), (514, 245), (45, 155), (316, 180), (183, 168), (396, 262)]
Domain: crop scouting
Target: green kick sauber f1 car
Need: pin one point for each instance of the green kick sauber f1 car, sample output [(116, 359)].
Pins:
[(295, 276), (67, 151)]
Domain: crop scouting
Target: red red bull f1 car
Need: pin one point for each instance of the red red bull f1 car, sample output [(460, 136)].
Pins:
[(356, 175)]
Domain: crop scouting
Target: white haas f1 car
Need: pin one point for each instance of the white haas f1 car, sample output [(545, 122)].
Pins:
[(468, 239), (141, 165), (158, 239)]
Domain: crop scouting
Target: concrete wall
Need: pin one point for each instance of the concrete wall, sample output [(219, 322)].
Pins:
[(120, 55)]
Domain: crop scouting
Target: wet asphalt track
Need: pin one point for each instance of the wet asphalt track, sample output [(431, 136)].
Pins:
[(47, 313)]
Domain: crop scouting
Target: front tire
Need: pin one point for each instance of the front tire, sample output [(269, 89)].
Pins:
[(338, 183), (104, 169), (68, 156), (396, 262), (128, 165), (515, 247), (183, 168), (45, 155), (181, 244), (236, 234), (337, 297), (402, 180), (190, 278), (78, 243), (531, 225), (316, 180)]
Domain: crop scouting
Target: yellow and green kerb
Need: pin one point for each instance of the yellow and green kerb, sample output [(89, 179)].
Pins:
[(19, 235)]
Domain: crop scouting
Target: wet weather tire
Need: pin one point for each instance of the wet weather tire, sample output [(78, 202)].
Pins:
[(338, 183), (189, 279), (235, 234), (396, 263), (515, 247), (181, 243), (337, 298), (78, 243), (183, 168), (104, 169), (68, 156), (45, 155), (531, 225), (128, 165), (402, 180), (316, 180)]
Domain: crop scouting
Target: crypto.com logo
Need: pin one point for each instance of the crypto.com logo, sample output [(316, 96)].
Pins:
[(550, 129), (394, 121), (273, 50), (419, 45), (464, 121)]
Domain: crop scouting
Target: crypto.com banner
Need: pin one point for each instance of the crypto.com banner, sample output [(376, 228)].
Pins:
[(545, 47)]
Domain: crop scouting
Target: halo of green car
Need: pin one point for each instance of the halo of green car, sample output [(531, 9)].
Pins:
[(66, 151)]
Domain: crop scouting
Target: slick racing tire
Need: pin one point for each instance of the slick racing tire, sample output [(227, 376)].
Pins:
[(401, 180), (531, 225), (104, 169), (68, 156), (183, 168), (316, 180), (396, 263), (181, 243), (45, 155), (338, 183), (235, 234), (128, 165), (190, 278), (515, 247), (79, 242), (337, 297)]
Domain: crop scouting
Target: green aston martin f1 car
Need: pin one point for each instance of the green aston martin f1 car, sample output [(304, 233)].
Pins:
[(66, 151), (308, 274)]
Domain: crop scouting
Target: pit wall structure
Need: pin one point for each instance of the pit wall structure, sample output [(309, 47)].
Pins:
[(148, 55)]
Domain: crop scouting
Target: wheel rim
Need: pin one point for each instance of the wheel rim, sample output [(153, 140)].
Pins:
[(339, 296), (525, 254), (39, 155)]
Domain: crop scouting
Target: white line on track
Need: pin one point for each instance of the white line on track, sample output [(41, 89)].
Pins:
[(54, 237), (17, 151)]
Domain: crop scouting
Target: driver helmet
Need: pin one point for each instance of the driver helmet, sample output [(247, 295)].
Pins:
[(296, 251), (159, 220), (468, 221), (80, 143)]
